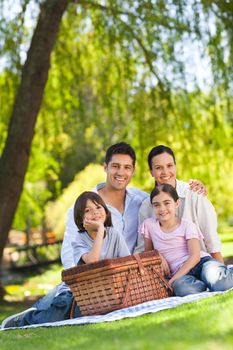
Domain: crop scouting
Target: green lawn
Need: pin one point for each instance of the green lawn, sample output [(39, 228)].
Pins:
[(207, 324)]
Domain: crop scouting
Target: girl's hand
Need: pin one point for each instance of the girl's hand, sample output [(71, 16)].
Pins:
[(165, 266), (170, 282), (197, 186)]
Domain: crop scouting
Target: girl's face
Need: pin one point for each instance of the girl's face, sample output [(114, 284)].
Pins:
[(164, 169), (94, 212), (164, 207)]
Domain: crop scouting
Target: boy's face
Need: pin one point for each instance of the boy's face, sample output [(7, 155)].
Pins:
[(94, 212), (119, 171)]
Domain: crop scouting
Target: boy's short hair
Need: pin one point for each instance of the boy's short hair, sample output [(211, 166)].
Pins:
[(120, 148), (80, 206)]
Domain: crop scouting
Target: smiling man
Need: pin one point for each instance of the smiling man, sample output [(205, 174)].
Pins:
[(123, 202)]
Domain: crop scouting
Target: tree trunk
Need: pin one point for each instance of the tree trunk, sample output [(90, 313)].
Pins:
[(15, 156)]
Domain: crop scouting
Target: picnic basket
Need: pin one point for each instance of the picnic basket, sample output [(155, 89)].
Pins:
[(113, 284)]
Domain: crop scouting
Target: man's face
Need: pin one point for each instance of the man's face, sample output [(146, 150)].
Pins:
[(164, 169), (119, 171)]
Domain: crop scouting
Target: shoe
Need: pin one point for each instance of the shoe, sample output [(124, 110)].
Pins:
[(14, 320)]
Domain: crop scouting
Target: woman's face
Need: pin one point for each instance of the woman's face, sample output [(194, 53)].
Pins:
[(94, 212), (164, 169)]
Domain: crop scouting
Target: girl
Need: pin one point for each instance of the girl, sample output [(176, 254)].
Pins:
[(178, 241), (194, 207), (96, 240)]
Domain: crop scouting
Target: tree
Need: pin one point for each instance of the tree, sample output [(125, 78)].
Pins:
[(15, 156)]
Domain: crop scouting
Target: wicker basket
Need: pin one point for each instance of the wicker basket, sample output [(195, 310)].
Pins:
[(113, 284)]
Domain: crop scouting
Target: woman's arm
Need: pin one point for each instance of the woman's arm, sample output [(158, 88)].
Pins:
[(94, 254), (194, 258)]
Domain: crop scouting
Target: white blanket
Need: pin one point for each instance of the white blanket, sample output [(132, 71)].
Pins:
[(133, 311)]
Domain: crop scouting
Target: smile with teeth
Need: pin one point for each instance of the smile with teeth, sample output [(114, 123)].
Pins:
[(165, 177), (119, 179)]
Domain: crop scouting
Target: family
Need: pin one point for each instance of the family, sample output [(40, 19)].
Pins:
[(113, 220)]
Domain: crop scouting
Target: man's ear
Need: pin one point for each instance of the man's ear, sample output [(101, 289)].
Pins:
[(105, 167), (177, 203)]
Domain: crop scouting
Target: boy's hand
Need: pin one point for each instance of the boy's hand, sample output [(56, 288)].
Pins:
[(91, 225)]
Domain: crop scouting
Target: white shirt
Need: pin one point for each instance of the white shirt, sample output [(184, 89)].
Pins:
[(196, 208)]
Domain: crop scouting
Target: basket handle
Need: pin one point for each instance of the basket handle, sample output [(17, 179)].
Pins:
[(127, 290), (129, 278), (163, 280), (140, 265)]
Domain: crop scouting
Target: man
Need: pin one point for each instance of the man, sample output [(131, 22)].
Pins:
[(123, 202)]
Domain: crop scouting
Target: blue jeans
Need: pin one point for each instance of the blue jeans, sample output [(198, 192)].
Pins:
[(207, 274), (58, 310), (46, 301)]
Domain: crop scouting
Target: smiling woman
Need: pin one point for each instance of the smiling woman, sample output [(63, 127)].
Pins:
[(193, 206)]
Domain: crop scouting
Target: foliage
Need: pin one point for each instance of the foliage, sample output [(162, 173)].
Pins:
[(146, 72), (84, 181)]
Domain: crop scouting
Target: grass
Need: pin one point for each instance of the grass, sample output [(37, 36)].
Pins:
[(206, 324)]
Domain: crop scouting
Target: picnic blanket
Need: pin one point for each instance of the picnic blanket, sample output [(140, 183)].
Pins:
[(133, 311)]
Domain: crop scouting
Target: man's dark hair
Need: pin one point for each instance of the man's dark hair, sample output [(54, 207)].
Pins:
[(80, 206), (159, 150), (120, 148)]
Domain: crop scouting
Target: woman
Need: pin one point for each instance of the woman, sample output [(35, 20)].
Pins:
[(194, 207)]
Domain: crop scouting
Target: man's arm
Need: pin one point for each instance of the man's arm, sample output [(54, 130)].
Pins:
[(70, 236)]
